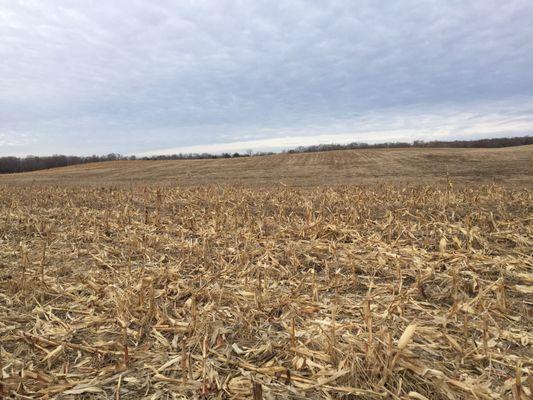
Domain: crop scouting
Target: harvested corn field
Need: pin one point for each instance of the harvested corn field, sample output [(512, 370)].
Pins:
[(507, 166), (233, 292)]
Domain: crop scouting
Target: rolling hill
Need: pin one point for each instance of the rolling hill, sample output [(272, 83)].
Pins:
[(508, 166)]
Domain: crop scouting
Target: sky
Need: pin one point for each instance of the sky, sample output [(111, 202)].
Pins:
[(161, 77)]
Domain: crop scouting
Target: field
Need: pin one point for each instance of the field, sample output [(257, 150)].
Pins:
[(506, 166), (112, 287)]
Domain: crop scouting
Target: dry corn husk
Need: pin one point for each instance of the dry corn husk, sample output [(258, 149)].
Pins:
[(223, 291)]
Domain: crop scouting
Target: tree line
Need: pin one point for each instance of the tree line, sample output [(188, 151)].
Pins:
[(479, 143), (34, 163)]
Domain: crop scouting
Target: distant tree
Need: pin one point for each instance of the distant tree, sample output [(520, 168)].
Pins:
[(33, 163)]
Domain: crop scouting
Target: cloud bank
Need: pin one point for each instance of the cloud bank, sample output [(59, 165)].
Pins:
[(139, 76)]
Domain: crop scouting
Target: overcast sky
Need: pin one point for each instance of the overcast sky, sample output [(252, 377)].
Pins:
[(84, 77)]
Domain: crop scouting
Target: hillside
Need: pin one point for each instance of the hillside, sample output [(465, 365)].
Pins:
[(238, 291), (509, 166)]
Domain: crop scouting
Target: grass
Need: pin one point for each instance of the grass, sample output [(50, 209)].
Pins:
[(378, 291)]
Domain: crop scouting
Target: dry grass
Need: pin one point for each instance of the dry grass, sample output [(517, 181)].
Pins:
[(233, 292), (512, 166)]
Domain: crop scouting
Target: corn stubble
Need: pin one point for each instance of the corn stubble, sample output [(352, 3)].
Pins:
[(232, 292)]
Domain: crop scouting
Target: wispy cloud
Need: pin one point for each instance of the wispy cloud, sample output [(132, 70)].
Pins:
[(129, 76)]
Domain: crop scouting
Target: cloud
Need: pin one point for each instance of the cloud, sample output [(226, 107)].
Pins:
[(133, 75), (12, 140), (494, 120)]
